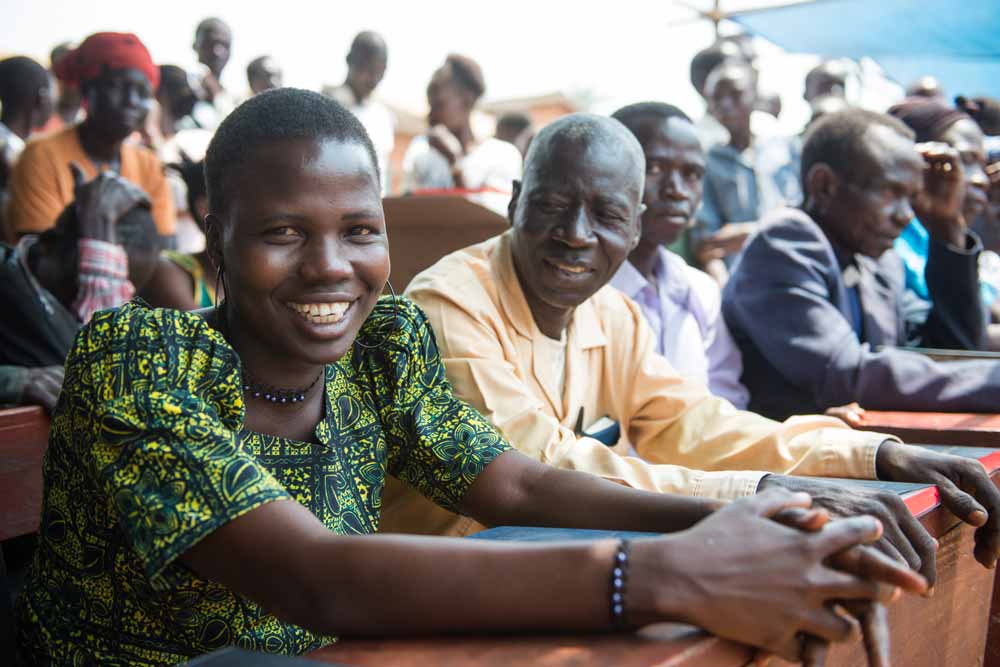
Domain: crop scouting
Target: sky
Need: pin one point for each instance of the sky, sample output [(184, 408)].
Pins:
[(616, 52)]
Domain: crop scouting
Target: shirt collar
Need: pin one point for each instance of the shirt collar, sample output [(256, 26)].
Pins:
[(585, 326)]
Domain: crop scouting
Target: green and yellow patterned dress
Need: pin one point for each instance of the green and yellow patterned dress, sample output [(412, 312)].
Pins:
[(148, 455)]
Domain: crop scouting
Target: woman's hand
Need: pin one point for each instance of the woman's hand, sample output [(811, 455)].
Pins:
[(704, 576)]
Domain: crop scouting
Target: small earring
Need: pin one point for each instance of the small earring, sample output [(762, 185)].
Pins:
[(219, 280)]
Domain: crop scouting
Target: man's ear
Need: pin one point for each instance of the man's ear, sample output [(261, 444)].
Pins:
[(821, 187), (512, 206), (213, 239), (638, 225)]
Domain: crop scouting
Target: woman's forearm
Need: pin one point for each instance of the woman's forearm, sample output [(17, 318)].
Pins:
[(283, 558)]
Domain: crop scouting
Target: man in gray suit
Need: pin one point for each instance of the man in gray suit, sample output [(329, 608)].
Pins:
[(816, 301)]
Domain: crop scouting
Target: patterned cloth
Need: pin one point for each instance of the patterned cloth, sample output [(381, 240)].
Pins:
[(103, 279), (148, 455)]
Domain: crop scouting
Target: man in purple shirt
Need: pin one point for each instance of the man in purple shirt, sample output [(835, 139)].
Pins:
[(681, 303)]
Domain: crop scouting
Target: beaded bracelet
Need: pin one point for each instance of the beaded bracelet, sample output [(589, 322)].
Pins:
[(619, 574)]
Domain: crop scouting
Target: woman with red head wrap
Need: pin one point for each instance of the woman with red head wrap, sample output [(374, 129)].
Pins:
[(117, 79)]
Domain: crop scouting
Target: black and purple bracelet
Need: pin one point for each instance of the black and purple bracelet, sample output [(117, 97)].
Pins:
[(619, 575)]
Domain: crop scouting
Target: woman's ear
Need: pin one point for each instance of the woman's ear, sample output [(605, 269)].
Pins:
[(213, 239)]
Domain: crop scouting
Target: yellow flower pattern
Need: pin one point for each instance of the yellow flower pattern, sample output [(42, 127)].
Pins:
[(148, 455)]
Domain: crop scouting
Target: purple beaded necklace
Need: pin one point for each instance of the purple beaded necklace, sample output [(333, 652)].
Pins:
[(265, 392)]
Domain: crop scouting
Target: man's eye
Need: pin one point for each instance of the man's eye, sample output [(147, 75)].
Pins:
[(361, 230), (653, 169), (281, 231)]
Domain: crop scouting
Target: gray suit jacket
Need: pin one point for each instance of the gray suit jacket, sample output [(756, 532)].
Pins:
[(787, 307)]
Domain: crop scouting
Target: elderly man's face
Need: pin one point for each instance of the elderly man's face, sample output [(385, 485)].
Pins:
[(868, 213), (575, 219)]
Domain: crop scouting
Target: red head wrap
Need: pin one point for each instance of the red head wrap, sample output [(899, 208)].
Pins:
[(114, 50)]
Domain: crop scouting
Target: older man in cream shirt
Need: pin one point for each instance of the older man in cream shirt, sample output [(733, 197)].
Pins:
[(531, 336)]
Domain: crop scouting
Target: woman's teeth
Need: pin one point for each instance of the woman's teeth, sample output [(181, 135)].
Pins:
[(322, 313)]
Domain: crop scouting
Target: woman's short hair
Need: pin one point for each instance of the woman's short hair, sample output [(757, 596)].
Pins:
[(282, 114)]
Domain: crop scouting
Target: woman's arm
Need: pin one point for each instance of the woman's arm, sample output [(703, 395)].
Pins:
[(738, 574)]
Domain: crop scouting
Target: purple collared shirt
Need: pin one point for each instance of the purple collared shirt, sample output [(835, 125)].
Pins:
[(683, 307)]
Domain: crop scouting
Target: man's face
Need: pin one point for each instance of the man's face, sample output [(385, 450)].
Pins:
[(364, 73), (266, 76), (731, 98), (575, 219), (213, 45), (966, 138), (868, 213), (118, 102), (828, 79), (675, 167)]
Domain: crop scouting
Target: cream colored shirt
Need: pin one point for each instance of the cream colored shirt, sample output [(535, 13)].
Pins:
[(687, 440)]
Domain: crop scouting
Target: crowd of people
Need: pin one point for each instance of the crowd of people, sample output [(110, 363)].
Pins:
[(674, 335)]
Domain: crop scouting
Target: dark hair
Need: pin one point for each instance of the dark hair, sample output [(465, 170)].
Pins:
[(514, 121), (467, 73), (209, 23), (173, 79), (630, 115), (255, 66), (193, 175), (20, 80), (984, 110), (367, 44), (708, 59), (282, 114), (838, 139)]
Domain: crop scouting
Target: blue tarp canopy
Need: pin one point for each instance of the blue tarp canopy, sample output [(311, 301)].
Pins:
[(957, 41)]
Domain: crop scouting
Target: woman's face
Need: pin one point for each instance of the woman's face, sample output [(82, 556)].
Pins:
[(304, 248)]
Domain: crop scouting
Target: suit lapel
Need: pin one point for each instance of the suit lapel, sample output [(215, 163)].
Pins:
[(877, 307)]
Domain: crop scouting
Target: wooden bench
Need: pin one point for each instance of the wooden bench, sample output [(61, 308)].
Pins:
[(423, 229), (24, 437)]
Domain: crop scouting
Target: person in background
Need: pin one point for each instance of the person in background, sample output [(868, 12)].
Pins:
[(515, 127), (213, 43), (186, 281), (366, 63), (710, 131), (226, 517), (25, 106), (829, 78), (100, 251), (817, 301), (739, 185), (117, 78), (264, 73), (68, 109), (928, 87), (681, 304), (449, 156), (936, 121), (984, 110), (532, 335)]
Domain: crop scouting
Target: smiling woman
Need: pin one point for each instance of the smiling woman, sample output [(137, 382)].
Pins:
[(186, 509)]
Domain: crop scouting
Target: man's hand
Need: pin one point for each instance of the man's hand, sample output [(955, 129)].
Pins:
[(939, 205), (966, 489), (851, 414), (102, 201), (42, 386), (903, 537), (445, 143), (700, 576)]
